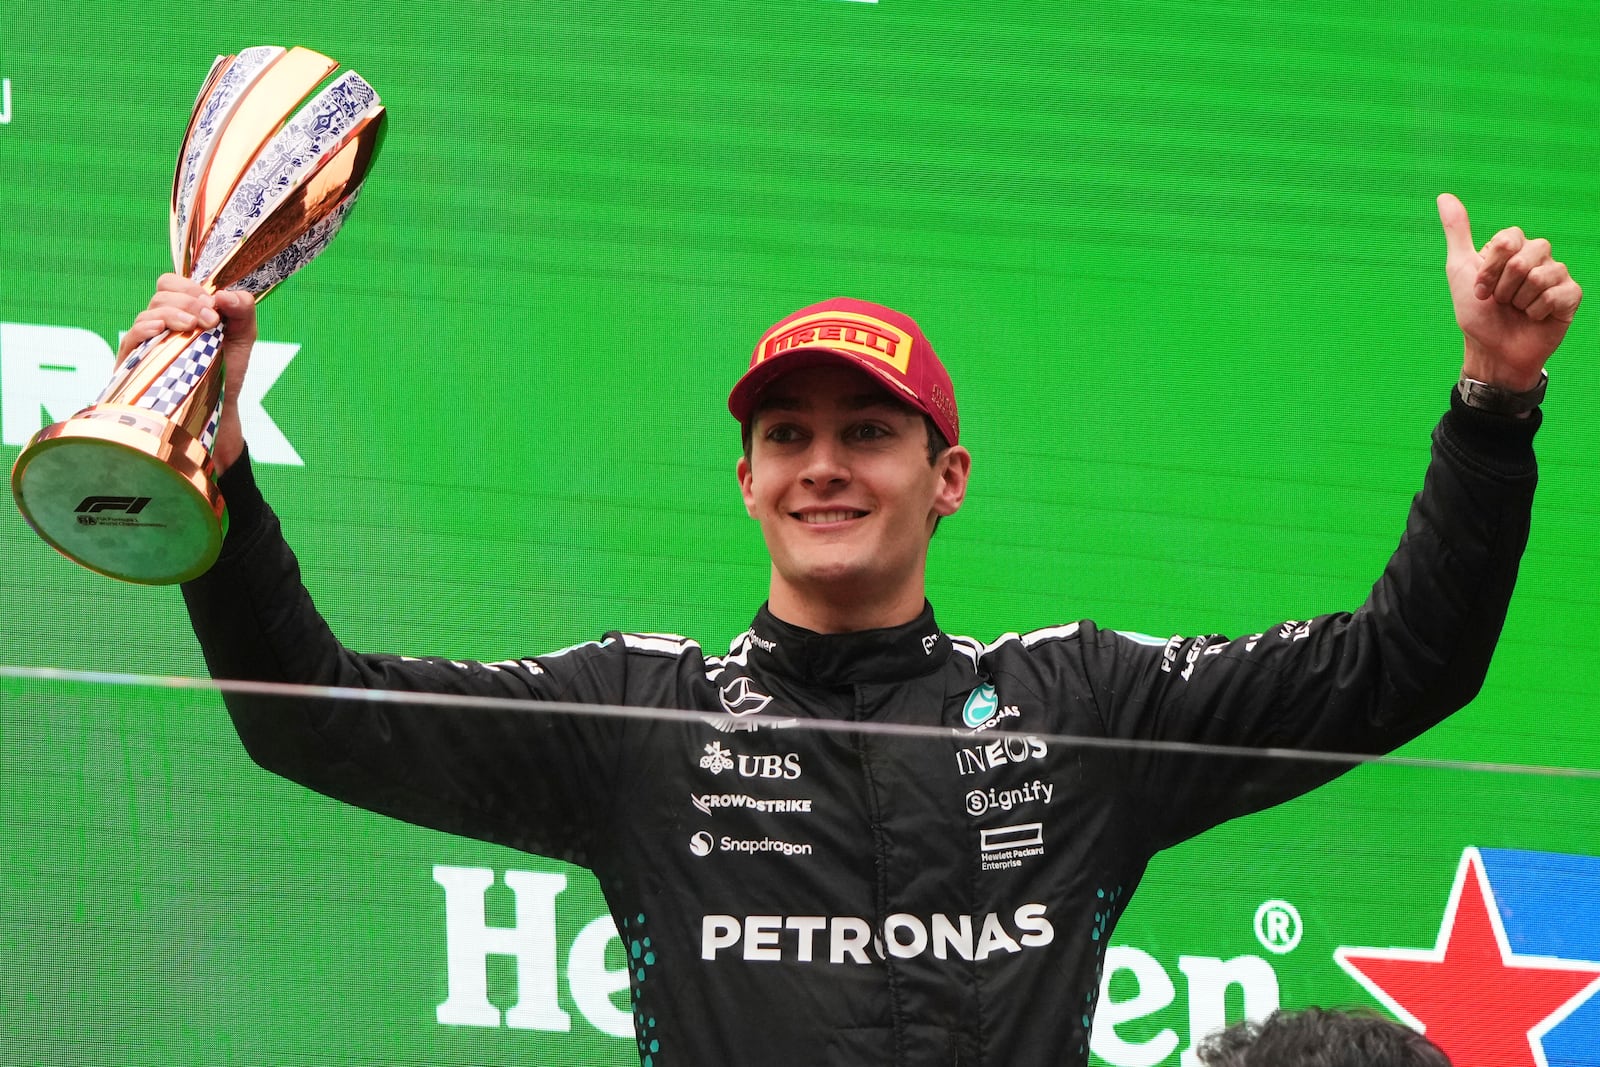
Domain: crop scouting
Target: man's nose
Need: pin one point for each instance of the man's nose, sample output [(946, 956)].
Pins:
[(824, 465)]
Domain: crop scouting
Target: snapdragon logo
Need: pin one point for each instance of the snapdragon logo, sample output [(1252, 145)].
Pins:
[(48, 373), (852, 939), (702, 843)]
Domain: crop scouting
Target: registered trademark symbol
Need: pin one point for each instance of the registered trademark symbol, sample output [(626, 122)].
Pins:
[(1278, 926)]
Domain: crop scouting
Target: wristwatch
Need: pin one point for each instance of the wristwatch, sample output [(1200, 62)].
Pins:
[(1499, 400)]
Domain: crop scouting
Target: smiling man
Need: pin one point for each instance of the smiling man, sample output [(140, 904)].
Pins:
[(803, 896), (850, 460)]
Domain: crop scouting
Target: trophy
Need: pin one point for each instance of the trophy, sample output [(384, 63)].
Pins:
[(126, 486)]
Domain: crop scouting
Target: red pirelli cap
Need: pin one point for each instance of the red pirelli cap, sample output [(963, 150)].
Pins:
[(879, 340)]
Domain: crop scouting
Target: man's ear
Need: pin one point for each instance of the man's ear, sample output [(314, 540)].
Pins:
[(743, 470), (954, 467)]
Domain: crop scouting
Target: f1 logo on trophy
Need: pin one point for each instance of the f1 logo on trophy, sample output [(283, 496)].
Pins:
[(126, 487)]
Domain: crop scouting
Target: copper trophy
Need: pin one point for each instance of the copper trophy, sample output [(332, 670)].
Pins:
[(273, 158)]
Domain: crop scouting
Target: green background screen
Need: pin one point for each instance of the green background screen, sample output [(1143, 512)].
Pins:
[(1181, 259)]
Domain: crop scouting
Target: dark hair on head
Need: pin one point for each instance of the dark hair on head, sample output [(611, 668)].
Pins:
[(1319, 1037), (937, 443)]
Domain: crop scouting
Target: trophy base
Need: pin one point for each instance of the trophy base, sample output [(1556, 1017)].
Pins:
[(123, 492)]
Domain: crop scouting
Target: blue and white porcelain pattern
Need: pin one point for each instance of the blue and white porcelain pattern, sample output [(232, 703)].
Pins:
[(285, 162), (202, 139), (305, 248)]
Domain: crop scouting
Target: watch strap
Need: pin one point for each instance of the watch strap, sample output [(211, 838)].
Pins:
[(1500, 400)]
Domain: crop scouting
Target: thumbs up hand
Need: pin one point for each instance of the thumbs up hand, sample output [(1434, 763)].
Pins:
[(1513, 302)]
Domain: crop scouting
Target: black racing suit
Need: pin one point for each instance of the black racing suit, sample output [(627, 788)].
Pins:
[(808, 897)]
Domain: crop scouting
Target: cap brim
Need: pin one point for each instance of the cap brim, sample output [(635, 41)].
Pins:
[(746, 394)]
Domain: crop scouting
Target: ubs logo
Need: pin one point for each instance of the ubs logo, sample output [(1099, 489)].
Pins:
[(785, 767), (779, 766)]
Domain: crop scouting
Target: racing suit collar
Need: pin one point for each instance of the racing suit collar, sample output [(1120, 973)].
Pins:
[(892, 654)]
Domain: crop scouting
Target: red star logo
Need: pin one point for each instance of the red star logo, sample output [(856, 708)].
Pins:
[(1473, 997)]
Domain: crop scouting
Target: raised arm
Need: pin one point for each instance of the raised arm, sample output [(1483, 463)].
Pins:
[(1419, 648), (519, 777)]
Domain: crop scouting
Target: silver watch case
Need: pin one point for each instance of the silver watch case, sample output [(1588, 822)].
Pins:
[(1499, 400)]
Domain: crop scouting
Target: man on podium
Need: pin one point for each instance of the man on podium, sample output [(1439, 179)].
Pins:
[(790, 895)]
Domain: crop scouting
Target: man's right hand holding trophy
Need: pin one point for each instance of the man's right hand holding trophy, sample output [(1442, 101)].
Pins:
[(181, 305)]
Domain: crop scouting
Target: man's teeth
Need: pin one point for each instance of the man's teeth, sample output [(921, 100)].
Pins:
[(818, 517)]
